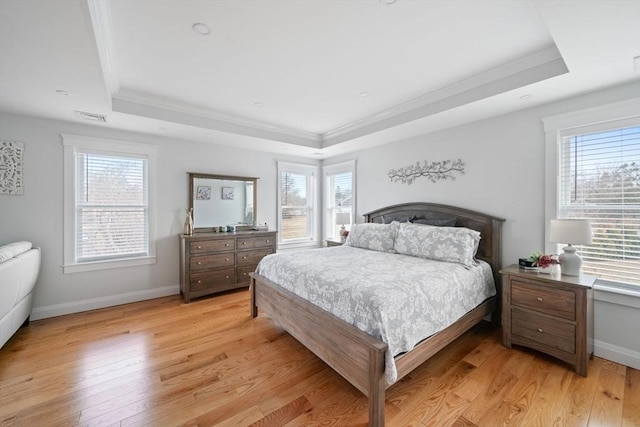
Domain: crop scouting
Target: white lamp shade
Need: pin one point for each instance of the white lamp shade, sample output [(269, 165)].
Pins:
[(343, 218), (570, 231)]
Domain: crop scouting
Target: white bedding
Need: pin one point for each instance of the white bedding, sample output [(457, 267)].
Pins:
[(399, 299)]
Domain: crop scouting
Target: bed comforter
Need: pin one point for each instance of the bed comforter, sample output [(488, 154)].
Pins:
[(398, 299)]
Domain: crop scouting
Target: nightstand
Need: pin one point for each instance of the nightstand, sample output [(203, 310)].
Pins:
[(334, 243), (551, 313)]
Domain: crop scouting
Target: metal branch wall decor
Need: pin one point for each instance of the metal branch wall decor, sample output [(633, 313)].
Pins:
[(433, 171), (11, 165)]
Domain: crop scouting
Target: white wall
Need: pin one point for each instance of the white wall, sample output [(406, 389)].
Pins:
[(38, 214), (504, 177)]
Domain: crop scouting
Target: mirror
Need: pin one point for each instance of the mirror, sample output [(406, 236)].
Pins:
[(219, 200)]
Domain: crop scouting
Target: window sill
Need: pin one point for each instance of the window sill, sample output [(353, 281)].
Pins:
[(106, 265), (298, 245)]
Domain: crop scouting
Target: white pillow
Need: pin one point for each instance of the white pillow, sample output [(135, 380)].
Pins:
[(450, 244), (374, 236), (11, 250)]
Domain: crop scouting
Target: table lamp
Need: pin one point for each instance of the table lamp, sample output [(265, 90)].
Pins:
[(343, 218), (571, 232)]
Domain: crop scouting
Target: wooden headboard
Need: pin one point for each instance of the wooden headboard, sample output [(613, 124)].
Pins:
[(490, 227)]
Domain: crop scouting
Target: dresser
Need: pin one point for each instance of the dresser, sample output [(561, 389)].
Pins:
[(216, 262), (551, 313)]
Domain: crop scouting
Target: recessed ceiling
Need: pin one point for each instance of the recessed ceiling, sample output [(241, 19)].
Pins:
[(311, 76)]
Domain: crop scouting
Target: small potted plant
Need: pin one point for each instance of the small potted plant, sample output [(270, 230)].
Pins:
[(544, 262)]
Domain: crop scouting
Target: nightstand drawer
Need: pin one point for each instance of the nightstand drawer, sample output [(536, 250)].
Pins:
[(547, 331), (555, 302)]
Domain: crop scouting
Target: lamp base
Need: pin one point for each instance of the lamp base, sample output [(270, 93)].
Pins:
[(570, 263)]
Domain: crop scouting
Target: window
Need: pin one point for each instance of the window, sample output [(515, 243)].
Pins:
[(296, 203), (598, 178), (339, 198), (109, 216)]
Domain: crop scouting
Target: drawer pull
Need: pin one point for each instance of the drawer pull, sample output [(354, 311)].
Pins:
[(244, 274), (199, 262), (539, 299), (244, 257), (199, 247), (199, 281), (226, 277), (244, 243), (226, 244), (226, 259), (268, 241), (540, 330)]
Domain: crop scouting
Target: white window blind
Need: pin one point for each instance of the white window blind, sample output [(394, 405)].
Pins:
[(296, 206), (340, 201), (112, 206), (600, 180)]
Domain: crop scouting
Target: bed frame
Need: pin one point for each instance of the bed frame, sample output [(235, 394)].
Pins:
[(355, 355)]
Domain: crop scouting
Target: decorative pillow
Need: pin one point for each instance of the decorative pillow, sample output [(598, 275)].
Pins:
[(14, 249), (450, 244), (374, 236)]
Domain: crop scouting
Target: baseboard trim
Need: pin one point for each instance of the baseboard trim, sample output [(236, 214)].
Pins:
[(94, 303), (617, 354)]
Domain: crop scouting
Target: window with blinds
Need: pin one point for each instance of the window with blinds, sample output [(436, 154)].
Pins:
[(112, 209), (339, 198), (600, 180), (109, 204)]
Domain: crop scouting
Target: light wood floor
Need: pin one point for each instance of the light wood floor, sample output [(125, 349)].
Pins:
[(164, 363)]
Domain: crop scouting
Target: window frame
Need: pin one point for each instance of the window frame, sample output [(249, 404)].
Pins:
[(311, 171), (557, 128), (72, 144), (328, 199)]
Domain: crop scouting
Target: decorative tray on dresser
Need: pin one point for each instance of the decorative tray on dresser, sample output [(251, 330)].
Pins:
[(216, 262), (551, 313)]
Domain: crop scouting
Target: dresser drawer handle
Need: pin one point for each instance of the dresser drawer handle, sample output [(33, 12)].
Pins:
[(540, 330), (244, 257), (199, 281), (268, 241), (539, 299), (199, 247), (244, 274), (199, 262), (226, 244), (226, 259), (226, 277), (244, 243)]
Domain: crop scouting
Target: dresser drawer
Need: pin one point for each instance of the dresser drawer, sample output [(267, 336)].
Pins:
[(203, 246), (550, 332), (255, 242), (556, 302), (253, 257), (204, 262), (242, 273), (212, 279)]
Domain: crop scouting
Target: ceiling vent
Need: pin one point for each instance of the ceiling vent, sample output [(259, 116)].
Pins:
[(92, 116)]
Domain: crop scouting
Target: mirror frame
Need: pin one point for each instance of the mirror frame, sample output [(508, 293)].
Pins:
[(194, 175)]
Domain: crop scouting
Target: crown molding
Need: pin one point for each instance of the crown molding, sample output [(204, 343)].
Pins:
[(541, 65), (100, 14), (142, 104)]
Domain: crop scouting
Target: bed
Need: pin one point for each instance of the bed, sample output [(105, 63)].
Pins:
[(362, 358)]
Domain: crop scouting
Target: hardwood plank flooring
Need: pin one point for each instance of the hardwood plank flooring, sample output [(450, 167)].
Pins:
[(165, 363)]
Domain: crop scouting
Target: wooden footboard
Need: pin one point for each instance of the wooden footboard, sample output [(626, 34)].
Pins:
[(355, 355)]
